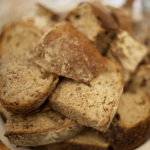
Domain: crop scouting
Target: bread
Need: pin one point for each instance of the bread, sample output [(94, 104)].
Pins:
[(127, 53), (123, 18), (96, 24), (19, 34), (85, 140), (24, 86), (141, 79), (131, 124), (92, 105), (64, 51), (2, 146), (40, 128)]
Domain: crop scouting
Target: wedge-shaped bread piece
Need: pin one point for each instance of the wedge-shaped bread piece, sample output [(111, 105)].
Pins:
[(131, 124), (141, 79), (24, 86), (85, 140), (17, 35), (66, 52), (40, 128), (92, 105), (127, 53), (2, 146), (98, 25)]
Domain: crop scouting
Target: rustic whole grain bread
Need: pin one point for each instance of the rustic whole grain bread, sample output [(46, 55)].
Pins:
[(40, 128), (141, 78), (95, 23), (2, 146), (17, 35), (24, 86), (127, 53), (92, 105), (131, 124), (64, 51), (85, 140)]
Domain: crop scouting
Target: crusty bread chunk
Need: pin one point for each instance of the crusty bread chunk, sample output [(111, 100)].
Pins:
[(88, 139), (64, 51), (131, 124), (24, 86), (2, 146), (127, 53), (92, 105), (40, 128), (96, 24), (141, 79), (122, 17), (25, 33)]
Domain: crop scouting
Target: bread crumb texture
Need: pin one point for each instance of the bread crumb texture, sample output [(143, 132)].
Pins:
[(22, 82), (66, 52), (92, 105), (40, 128), (127, 52)]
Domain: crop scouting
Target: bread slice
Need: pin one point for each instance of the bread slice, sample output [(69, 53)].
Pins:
[(95, 24), (2, 146), (24, 86), (88, 139), (91, 105), (131, 124), (141, 79), (40, 128), (19, 34), (127, 53), (64, 51)]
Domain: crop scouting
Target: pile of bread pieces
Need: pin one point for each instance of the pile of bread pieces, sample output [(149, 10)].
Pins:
[(80, 82)]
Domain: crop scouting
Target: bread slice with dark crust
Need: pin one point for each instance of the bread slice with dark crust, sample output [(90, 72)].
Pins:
[(64, 51), (92, 105), (97, 24), (88, 139), (40, 128), (127, 52), (131, 124), (24, 86)]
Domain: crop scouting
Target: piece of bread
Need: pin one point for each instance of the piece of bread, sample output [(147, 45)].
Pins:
[(64, 51), (97, 25), (141, 79), (40, 128), (127, 53), (2, 146), (131, 124), (19, 34), (24, 86), (88, 139), (122, 18), (92, 105)]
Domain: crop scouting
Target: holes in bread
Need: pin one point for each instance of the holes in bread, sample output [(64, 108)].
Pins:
[(63, 117), (77, 16), (117, 116), (8, 38), (110, 148), (45, 75), (143, 82), (98, 18)]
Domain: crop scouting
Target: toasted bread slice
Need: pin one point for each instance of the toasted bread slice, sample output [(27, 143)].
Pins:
[(91, 105), (40, 128), (17, 35), (141, 79), (96, 24), (127, 53), (24, 86), (131, 124), (88, 139), (64, 51)]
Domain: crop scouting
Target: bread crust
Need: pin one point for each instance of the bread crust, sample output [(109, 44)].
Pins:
[(32, 106), (64, 51), (43, 137)]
